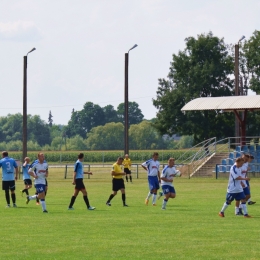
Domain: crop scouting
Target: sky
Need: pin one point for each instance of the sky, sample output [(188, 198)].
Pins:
[(81, 45)]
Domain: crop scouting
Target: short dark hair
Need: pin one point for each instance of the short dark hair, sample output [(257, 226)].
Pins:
[(155, 154), (251, 157), (5, 153), (80, 155), (120, 158)]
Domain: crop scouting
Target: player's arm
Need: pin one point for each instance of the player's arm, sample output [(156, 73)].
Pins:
[(32, 173), (16, 173), (242, 178), (90, 173), (145, 167), (74, 178), (47, 173), (113, 173)]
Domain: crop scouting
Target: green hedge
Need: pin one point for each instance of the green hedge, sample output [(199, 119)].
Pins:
[(103, 156)]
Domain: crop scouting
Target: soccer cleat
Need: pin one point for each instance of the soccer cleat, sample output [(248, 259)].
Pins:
[(154, 204), (146, 202), (91, 208), (160, 195), (45, 211), (27, 200), (108, 204), (70, 208), (239, 214), (14, 205), (163, 208), (125, 205), (251, 202), (221, 214), (8, 206), (21, 192), (247, 216), (37, 203)]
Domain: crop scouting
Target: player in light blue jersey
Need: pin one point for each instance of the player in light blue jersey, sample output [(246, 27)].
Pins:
[(39, 171), (152, 167), (167, 175), (9, 166), (235, 190), (78, 182), (26, 177)]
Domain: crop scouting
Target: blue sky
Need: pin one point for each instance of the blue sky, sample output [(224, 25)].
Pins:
[(80, 48)]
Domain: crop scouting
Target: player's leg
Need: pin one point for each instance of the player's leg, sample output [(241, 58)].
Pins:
[(73, 198), (130, 176), (229, 198), (13, 196), (41, 196), (85, 197), (115, 189), (156, 187), (238, 209), (5, 187), (122, 189)]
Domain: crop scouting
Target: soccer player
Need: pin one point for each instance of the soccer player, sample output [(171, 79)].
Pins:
[(117, 181), (167, 175), (78, 182), (235, 190), (9, 165), (26, 177), (249, 202), (127, 168), (39, 170), (152, 167)]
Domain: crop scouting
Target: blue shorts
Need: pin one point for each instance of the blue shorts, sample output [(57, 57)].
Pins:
[(40, 188), (235, 196), (153, 183), (168, 189), (246, 191)]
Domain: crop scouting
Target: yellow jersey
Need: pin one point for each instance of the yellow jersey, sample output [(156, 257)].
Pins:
[(117, 169), (127, 163)]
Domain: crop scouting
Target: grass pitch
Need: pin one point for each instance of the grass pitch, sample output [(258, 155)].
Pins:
[(189, 228)]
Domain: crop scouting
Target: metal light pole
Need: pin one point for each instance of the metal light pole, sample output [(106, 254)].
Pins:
[(237, 90), (25, 104), (126, 148)]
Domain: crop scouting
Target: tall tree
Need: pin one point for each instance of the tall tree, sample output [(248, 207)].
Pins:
[(135, 115), (83, 121), (50, 120), (110, 114), (202, 69)]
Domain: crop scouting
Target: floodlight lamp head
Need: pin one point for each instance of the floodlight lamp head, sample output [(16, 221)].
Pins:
[(133, 47), (33, 49), (242, 38)]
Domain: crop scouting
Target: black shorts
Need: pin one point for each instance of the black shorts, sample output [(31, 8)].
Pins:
[(118, 184), (8, 185), (27, 182), (79, 184), (127, 171)]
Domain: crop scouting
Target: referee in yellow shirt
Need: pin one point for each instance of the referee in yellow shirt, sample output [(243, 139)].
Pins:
[(127, 168), (117, 181)]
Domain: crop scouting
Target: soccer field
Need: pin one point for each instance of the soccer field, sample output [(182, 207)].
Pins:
[(189, 228)]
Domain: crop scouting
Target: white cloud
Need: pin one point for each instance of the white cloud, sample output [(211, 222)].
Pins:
[(19, 31)]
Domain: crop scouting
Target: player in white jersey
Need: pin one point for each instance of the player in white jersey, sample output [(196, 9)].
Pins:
[(152, 167), (235, 190), (244, 169), (167, 175), (39, 171)]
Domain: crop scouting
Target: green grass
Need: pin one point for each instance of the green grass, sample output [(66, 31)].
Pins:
[(190, 228)]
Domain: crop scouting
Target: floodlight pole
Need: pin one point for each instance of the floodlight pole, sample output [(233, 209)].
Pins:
[(25, 104), (126, 146)]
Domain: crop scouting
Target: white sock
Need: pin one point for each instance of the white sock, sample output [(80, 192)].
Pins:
[(43, 204), (224, 207), (164, 203), (149, 195), (236, 210), (249, 200), (244, 209), (154, 198), (33, 197), (240, 205)]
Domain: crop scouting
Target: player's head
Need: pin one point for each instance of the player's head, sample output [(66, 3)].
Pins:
[(246, 157), (81, 156), (239, 162), (120, 160), (40, 157), (4, 154), (126, 156), (171, 162), (155, 156), (27, 159)]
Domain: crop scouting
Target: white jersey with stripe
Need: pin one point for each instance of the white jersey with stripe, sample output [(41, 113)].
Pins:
[(152, 167), (168, 172), (234, 185), (244, 169), (40, 170)]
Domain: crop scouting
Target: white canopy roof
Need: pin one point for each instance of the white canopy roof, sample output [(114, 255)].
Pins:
[(228, 103)]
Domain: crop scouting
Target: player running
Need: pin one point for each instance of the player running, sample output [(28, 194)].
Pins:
[(152, 167), (235, 190), (26, 177)]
